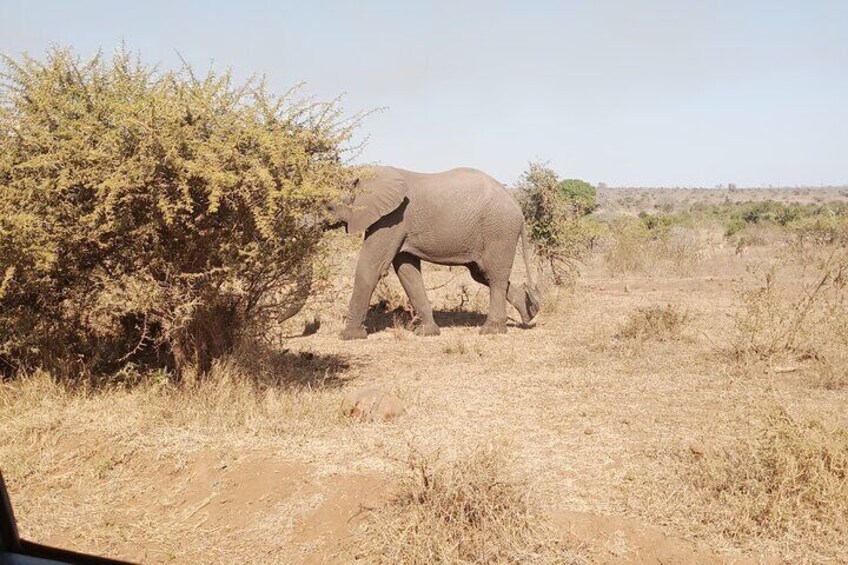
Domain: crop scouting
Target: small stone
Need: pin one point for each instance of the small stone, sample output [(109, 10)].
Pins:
[(372, 404), (589, 431)]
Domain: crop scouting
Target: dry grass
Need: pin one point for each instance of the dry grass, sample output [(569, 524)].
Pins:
[(144, 462), (460, 346), (466, 510), (660, 323), (246, 397), (631, 249), (787, 323), (787, 482), (627, 252)]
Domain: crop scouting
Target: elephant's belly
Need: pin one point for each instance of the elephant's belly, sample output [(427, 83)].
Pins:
[(448, 227), (451, 254)]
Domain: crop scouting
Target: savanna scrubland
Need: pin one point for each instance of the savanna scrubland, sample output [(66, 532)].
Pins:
[(682, 397)]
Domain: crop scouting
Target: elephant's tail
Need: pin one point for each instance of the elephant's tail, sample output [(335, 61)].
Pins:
[(533, 302)]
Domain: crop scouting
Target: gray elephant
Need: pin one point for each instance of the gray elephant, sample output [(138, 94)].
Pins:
[(458, 217)]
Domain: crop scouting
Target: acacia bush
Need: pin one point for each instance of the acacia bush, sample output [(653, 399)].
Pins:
[(152, 217), (555, 212)]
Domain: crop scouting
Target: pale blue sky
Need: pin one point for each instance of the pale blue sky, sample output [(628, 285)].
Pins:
[(623, 92)]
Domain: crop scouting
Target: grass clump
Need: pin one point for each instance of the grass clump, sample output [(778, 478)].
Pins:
[(788, 482), (461, 511), (659, 323), (652, 244)]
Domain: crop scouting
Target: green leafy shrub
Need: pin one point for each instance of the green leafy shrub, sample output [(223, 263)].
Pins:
[(658, 226), (555, 213), (152, 216), (821, 229), (734, 226)]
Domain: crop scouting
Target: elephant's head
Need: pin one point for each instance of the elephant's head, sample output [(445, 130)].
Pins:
[(376, 192)]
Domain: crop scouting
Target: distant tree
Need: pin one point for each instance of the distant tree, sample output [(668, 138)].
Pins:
[(580, 194), (151, 216)]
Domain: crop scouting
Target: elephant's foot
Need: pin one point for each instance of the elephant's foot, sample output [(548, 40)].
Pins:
[(427, 330), (353, 333), (493, 328), (530, 322)]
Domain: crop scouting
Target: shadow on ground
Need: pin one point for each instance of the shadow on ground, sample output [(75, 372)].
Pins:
[(294, 369), (381, 317)]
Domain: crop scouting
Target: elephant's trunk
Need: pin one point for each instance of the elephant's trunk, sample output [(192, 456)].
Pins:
[(339, 216), (299, 294)]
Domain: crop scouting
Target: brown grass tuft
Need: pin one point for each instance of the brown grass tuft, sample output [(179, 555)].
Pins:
[(462, 511), (787, 482), (660, 323)]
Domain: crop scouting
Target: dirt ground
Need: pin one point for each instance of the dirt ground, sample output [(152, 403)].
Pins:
[(595, 424)]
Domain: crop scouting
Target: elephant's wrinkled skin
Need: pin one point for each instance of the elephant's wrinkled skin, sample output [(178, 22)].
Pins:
[(458, 217)]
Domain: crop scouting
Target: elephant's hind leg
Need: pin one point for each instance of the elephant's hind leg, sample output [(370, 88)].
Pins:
[(408, 269), (498, 283)]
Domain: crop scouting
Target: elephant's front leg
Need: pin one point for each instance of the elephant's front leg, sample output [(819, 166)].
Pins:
[(363, 287), (377, 253)]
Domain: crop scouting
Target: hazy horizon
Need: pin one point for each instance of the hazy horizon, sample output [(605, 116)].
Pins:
[(650, 93)]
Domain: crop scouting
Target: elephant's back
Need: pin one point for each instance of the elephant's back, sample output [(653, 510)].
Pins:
[(460, 191), (463, 206)]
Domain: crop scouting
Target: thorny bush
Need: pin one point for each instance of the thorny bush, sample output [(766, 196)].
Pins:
[(152, 217)]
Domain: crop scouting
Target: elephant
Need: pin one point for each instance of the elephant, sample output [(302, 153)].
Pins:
[(457, 217)]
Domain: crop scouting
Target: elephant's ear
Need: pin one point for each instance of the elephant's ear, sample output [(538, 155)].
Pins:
[(382, 190)]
